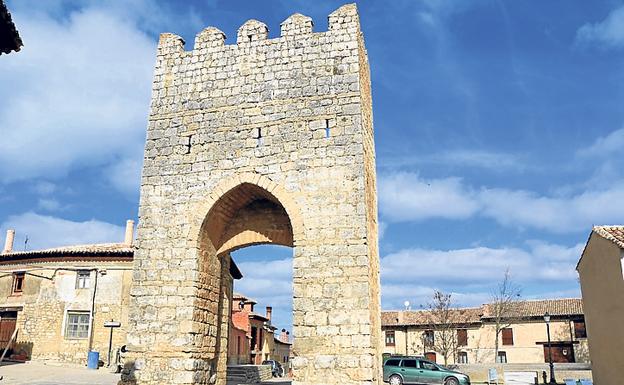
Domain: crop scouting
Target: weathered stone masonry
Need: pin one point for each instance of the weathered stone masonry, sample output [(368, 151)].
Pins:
[(262, 141)]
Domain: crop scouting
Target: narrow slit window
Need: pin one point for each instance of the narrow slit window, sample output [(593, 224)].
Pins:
[(188, 144), (327, 129), (250, 37), (18, 282), (259, 137)]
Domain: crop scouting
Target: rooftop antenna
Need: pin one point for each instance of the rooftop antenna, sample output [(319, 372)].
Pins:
[(407, 305), (26, 243)]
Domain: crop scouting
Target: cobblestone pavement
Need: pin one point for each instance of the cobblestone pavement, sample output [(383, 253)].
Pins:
[(34, 373)]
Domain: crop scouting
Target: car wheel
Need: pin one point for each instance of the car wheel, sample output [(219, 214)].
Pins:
[(395, 379), (451, 381)]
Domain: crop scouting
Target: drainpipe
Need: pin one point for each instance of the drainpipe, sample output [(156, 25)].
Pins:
[(95, 282), (406, 344)]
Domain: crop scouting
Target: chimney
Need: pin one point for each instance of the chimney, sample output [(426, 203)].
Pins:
[(8, 243), (129, 232), (269, 312)]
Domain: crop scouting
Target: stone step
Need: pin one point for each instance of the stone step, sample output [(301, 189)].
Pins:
[(248, 374)]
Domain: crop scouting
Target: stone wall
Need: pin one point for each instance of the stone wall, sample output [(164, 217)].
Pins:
[(283, 125)]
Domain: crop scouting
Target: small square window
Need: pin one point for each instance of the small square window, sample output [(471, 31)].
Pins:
[(18, 282), (501, 358), (390, 338), (462, 358), (77, 325), (429, 338), (82, 279)]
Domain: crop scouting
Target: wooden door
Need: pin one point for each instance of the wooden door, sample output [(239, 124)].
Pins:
[(560, 353), (7, 327)]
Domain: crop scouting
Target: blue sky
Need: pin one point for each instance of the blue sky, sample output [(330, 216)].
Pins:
[(499, 132)]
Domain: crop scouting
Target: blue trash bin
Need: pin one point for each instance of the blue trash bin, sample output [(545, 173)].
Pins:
[(93, 360)]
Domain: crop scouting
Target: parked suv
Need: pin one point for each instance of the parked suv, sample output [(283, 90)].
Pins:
[(416, 370)]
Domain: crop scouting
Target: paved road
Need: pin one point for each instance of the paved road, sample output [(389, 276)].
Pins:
[(33, 373)]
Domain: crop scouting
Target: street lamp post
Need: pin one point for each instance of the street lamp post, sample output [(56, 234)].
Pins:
[(550, 361)]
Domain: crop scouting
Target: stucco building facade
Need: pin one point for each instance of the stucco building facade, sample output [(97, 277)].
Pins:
[(601, 268), (523, 340), (252, 335)]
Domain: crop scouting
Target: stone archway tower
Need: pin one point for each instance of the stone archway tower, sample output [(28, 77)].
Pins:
[(282, 125)]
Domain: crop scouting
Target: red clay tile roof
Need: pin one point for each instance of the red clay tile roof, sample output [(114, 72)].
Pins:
[(613, 233), (9, 37), (537, 308), (100, 248), (533, 308), (102, 251), (239, 296), (423, 317)]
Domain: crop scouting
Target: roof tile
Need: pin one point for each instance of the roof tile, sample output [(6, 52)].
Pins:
[(613, 233), (531, 308)]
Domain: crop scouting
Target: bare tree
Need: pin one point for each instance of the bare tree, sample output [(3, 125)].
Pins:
[(502, 306), (442, 318)]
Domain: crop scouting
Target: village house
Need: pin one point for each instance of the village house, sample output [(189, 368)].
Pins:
[(523, 340), (252, 339), (54, 302), (58, 304), (601, 271)]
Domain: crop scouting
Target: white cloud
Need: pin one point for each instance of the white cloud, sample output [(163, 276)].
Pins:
[(125, 175), (563, 214), (487, 160), (44, 188), (75, 96), (476, 270), (383, 226), (608, 33), (49, 204), (269, 283), (605, 146), (479, 264), (48, 231), (405, 196)]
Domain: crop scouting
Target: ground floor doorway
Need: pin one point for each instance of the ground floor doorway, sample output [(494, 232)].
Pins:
[(8, 320)]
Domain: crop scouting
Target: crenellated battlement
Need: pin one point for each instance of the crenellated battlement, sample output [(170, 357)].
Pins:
[(343, 20)]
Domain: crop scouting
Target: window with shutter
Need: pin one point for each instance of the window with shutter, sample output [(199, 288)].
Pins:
[(389, 337), (579, 329), (507, 336), (462, 337)]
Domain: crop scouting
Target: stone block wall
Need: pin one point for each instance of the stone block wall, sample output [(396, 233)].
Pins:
[(284, 124)]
